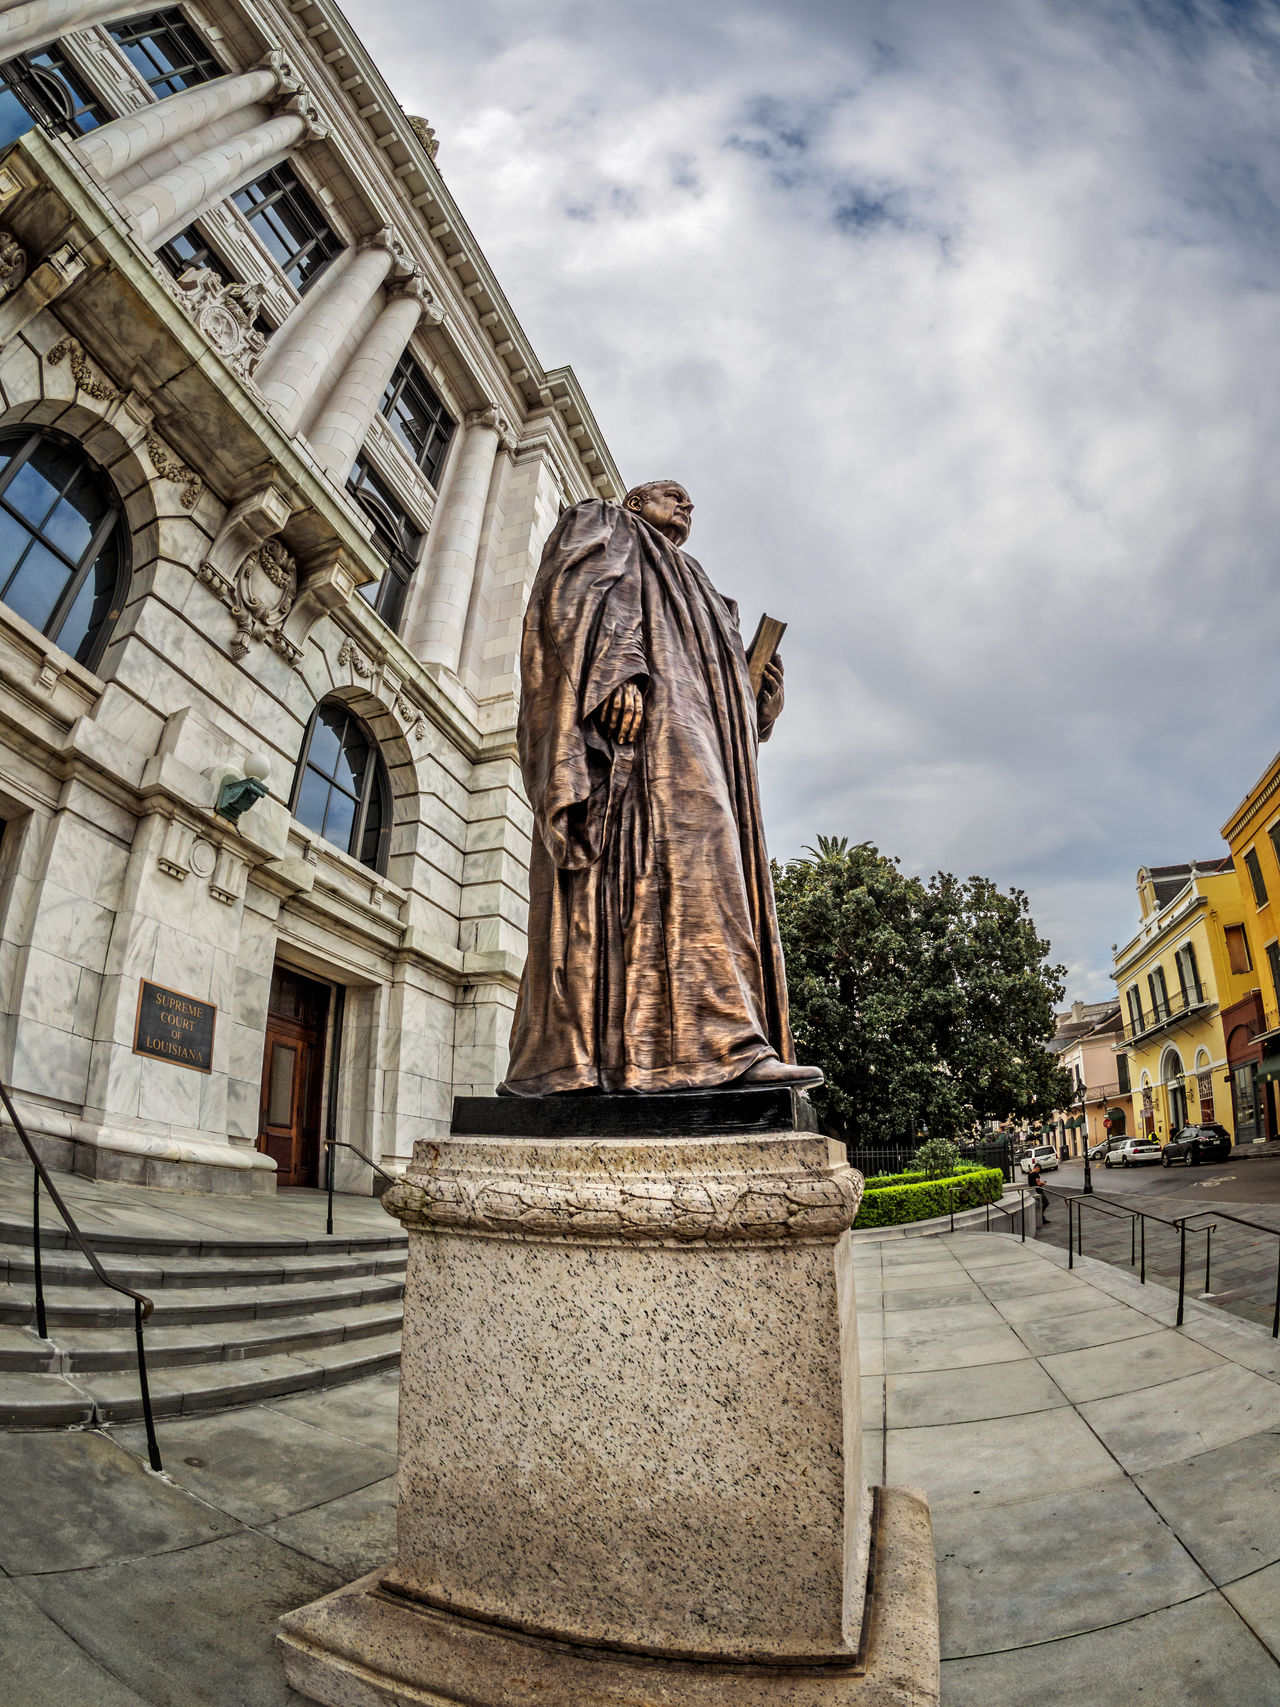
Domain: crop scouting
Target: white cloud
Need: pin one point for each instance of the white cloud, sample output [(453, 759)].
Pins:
[(961, 323)]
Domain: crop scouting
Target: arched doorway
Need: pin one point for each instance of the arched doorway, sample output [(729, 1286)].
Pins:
[(1172, 1078)]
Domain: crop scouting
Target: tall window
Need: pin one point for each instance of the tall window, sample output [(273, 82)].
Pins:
[(1159, 993), (1273, 964), (1238, 956), (42, 88), (189, 249), (63, 542), (398, 541), (1189, 976), (1122, 1074), (1134, 999), (341, 789), (165, 50), (1255, 877), (290, 224), (418, 418)]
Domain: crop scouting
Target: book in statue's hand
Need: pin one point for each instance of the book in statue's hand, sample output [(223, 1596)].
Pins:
[(763, 648)]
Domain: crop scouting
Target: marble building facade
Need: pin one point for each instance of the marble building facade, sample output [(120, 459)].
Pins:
[(276, 466)]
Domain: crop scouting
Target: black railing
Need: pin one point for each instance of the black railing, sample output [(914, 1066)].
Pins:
[(870, 1159), (1180, 1224), (142, 1305), (333, 1144), (1020, 1213)]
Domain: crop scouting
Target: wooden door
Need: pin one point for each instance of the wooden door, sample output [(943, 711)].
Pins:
[(293, 1077)]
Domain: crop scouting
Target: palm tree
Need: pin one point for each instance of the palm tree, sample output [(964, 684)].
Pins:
[(829, 850)]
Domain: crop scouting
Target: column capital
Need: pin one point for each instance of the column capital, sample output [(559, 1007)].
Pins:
[(416, 289), (489, 415), (288, 82), (301, 103), (403, 265)]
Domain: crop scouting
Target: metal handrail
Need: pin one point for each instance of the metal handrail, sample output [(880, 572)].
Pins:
[(142, 1305), (1179, 1223), (1020, 1211), (331, 1144)]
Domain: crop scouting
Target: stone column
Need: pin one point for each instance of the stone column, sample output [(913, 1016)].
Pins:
[(160, 209), (302, 354), (437, 635), (347, 415), (630, 1459), (114, 147), (36, 22)]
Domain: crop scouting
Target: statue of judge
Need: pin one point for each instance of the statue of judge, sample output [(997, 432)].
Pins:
[(654, 962)]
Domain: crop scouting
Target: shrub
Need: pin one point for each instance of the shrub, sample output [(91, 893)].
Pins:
[(892, 1204), (876, 1182), (938, 1158)]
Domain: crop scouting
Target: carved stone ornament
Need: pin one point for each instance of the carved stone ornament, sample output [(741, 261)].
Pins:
[(13, 263), (414, 722), (425, 134), (491, 416), (483, 1192), (387, 237), (416, 286), (165, 466), (303, 104), (259, 597), (351, 655), (225, 313), (68, 350), (288, 82)]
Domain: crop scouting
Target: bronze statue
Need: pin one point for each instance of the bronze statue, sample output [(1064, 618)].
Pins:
[(654, 962)]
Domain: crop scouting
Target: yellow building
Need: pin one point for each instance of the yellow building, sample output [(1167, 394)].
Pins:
[(1253, 1033), (1176, 978)]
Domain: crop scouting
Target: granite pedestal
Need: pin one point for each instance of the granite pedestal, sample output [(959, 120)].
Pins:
[(630, 1440)]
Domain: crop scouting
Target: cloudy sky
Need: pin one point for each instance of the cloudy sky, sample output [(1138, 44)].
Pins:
[(961, 321)]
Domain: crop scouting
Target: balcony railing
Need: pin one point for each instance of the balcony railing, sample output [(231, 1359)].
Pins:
[(1173, 1011)]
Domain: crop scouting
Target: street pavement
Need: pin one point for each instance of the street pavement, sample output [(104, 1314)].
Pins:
[(1243, 1262)]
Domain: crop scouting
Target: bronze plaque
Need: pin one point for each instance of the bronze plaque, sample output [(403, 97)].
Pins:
[(173, 1027)]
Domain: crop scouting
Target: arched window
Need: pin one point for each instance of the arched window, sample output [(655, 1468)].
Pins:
[(341, 789), (63, 543)]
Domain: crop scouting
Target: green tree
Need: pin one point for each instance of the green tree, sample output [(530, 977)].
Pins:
[(926, 1004)]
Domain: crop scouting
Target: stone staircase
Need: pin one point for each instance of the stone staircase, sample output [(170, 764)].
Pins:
[(239, 1315)]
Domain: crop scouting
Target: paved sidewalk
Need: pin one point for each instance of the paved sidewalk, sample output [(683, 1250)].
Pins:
[(1105, 1490)]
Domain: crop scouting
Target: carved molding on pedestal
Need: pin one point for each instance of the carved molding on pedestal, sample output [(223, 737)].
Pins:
[(578, 1204)]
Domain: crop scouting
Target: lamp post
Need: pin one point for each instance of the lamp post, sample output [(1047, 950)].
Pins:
[(1084, 1126)]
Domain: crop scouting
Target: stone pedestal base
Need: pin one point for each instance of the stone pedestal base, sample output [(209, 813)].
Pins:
[(630, 1457), (367, 1646)]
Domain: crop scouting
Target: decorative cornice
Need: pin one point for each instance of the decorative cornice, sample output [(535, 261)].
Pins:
[(449, 1189)]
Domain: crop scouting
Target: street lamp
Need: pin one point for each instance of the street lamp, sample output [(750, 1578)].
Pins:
[(1084, 1127)]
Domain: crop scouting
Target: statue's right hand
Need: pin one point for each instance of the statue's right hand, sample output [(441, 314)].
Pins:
[(622, 713)]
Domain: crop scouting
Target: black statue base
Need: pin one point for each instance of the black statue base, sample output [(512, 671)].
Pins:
[(692, 1114)]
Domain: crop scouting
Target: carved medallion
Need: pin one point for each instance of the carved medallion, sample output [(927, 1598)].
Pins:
[(225, 313)]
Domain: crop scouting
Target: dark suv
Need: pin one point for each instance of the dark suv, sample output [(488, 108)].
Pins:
[(1196, 1144)]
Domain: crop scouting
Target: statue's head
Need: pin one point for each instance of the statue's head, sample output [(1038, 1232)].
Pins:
[(665, 505)]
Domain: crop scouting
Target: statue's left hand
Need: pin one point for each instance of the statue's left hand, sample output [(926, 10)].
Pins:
[(770, 699)]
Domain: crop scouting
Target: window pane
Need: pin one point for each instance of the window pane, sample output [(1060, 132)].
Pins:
[(37, 485), (70, 99), (369, 842), (289, 223), (284, 1058), (326, 739), (313, 797), (166, 51), (37, 586), (72, 524), (15, 120), (339, 820), (92, 609)]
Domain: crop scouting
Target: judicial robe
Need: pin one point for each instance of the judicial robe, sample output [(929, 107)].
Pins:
[(654, 962)]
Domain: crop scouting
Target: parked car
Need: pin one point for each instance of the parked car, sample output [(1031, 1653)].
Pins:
[(1045, 1154), (1132, 1152), (1108, 1144), (1196, 1144)]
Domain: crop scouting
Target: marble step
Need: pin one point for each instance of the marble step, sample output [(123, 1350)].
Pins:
[(15, 1230), (81, 1307), (72, 1351), (38, 1401), (147, 1273)]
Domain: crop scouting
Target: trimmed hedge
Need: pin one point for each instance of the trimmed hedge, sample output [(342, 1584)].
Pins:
[(891, 1205), (877, 1182)]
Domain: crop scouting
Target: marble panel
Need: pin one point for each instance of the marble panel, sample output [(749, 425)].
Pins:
[(73, 927)]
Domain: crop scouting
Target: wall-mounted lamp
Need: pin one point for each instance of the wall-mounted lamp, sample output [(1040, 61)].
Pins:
[(238, 793)]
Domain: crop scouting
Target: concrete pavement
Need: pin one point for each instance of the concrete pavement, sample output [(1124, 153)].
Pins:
[(1105, 1489)]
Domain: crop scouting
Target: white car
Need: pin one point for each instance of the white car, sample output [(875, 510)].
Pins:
[(1045, 1154), (1132, 1153)]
